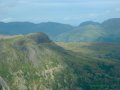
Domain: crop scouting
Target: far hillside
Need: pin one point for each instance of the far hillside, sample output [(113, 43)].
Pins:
[(51, 28), (107, 31), (88, 31)]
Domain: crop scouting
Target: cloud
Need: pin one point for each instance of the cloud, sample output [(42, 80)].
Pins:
[(7, 20), (58, 10)]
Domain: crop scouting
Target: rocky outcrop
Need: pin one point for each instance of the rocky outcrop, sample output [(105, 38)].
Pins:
[(3, 84), (39, 37)]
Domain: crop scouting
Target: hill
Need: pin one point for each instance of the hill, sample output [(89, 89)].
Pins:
[(51, 28), (112, 27), (108, 31), (34, 62), (86, 33)]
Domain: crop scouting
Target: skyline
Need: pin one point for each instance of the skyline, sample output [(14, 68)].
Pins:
[(62, 11)]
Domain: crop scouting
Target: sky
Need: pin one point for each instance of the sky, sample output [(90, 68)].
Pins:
[(64, 11)]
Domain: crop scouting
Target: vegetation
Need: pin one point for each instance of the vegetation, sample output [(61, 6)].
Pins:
[(107, 31), (28, 63)]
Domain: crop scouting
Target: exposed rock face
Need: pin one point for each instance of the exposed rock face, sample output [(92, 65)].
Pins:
[(3, 84), (39, 37)]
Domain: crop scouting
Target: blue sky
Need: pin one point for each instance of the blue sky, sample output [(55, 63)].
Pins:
[(63, 11)]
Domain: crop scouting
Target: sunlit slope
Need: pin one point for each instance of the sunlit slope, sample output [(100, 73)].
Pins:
[(99, 50), (87, 33), (107, 31), (34, 62)]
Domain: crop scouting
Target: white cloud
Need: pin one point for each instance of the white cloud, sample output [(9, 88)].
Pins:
[(58, 10), (7, 20)]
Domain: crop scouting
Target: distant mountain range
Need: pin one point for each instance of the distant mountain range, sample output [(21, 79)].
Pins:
[(51, 28), (89, 31)]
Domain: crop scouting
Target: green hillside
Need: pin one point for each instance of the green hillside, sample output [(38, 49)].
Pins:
[(107, 31), (33, 62), (87, 33), (98, 50)]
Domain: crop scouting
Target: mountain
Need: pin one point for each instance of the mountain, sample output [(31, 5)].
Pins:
[(112, 24), (89, 31), (89, 23), (112, 27), (51, 28), (108, 31), (34, 62)]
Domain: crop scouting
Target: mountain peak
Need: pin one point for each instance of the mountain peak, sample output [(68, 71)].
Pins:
[(111, 24), (89, 23)]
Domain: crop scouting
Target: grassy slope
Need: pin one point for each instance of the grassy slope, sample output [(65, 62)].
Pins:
[(107, 31), (28, 64), (100, 62), (99, 50), (87, 33)]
